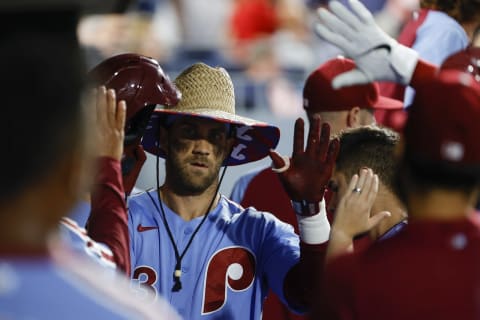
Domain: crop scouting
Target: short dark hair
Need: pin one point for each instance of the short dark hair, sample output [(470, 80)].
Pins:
[(460, 10), (41, 85), (368, 146)]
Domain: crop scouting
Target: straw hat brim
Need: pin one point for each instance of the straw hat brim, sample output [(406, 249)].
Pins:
[(254, 138)]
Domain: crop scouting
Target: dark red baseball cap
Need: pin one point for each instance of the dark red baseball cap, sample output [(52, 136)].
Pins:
[(320, 96), (443, 120)]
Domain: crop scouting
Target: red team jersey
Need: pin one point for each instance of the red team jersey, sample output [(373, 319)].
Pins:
[(406, 277)]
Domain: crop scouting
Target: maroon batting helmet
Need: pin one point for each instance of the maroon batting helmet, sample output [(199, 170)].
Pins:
[(141, 82)]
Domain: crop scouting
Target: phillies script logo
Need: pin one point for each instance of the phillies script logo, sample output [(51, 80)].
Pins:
[(230, 268)]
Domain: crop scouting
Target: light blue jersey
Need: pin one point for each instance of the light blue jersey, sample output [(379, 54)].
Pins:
[(67, 287), (437, 38), (236, 256), (77, 239)]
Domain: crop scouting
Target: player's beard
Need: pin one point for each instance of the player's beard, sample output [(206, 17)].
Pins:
[(185, 180)]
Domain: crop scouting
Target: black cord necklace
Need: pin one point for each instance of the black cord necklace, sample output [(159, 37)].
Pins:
[(177, 286)]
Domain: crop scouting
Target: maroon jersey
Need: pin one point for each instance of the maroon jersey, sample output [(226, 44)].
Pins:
[(428, 271)]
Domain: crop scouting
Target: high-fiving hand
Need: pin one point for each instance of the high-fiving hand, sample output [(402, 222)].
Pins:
[(306, 174), (353, 213)]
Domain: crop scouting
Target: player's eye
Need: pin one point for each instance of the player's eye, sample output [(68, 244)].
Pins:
[(217, 136), (188, 132)]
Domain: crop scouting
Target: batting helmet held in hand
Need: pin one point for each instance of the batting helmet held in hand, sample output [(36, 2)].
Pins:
[(141, 82)]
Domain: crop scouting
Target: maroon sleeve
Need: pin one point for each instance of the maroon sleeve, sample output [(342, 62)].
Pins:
[(335, 299), (108, 217), (424, 71), (303, 282)]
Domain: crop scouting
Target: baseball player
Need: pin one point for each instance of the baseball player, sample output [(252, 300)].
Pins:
[(365, 153), (47, 168), (112, 183), (346, 108), (437, 179), (377, 56), (207, 255), (141, 83), (436, 31)]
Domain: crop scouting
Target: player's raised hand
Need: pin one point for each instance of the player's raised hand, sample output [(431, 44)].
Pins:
[(378, 56), (110, 123), (353, 213), (306, 174)]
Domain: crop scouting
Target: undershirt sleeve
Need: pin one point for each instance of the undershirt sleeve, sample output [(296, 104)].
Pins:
[(108, 217)]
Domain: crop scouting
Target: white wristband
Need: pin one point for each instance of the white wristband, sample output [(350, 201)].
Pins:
[(314, 229)]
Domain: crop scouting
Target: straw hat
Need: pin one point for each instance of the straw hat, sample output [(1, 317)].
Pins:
[(208, 92)]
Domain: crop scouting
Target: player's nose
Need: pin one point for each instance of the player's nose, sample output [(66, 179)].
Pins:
[(202, 146)]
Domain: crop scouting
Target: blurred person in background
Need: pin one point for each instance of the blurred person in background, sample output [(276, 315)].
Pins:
[(138, 29), (366, 43), (378, 57), (282, 23), (270, 42), (41, 276), (264, 85), (202, 26), (439, 29), (438, 180), (394, 14)]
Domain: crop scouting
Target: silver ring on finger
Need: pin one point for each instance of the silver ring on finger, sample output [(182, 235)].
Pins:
[(357, 190)]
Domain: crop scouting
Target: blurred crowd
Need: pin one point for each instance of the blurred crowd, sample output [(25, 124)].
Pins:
[(268, 46)]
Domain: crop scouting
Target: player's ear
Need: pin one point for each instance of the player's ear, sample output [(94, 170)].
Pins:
[(353, 117)]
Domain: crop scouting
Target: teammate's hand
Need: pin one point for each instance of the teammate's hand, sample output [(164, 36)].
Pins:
[(353, 213), (110, 123), (378, 56), (306, 174), (132, 163)]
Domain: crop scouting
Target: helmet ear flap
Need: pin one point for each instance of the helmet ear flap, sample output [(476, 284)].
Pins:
[(135, 127)]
